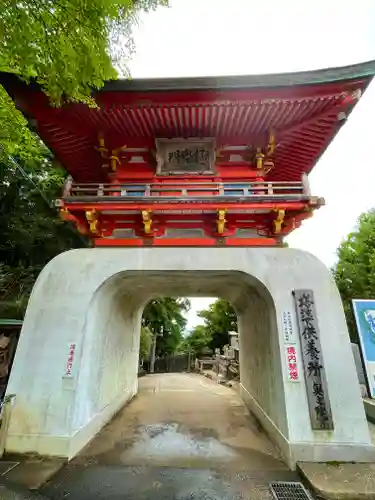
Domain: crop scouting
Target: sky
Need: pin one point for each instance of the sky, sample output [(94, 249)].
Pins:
[(234, 37)]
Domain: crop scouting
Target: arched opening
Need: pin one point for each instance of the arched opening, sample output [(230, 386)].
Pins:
[(110, 360)]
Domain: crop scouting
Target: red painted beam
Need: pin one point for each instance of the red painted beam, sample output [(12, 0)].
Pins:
[(118, 242), (188, 225), (155, 207), (188, 219), (186, 242)]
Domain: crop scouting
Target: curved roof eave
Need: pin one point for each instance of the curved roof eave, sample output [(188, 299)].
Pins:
[(272, 80)]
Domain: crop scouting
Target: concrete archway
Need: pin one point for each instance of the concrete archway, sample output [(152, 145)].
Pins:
[(94, 299)]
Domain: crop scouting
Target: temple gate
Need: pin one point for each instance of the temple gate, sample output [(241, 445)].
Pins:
[(189, 187)]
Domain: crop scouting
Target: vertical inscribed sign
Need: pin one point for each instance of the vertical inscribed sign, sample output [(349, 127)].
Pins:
[(70, 360), (316, 385)]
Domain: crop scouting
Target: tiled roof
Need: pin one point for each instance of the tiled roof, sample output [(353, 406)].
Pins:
[(304, 110)]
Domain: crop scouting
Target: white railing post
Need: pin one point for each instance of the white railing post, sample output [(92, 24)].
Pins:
[(101, 190), (68, 186), (270, 188), (306, 185)]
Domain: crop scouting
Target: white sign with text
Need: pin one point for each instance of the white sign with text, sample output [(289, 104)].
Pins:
[(287, 324)]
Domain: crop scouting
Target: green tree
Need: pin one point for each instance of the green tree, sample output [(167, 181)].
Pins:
[(219, 319), (31, 232), (354, 271), (166, 318), (197, 341), (145, 343), (70, 47)]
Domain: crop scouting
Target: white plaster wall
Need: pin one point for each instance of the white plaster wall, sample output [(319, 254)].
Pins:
[(95, 296), (107, 378), (261, 371)]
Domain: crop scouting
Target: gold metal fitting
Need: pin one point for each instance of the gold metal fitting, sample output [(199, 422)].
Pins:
[(259, 158), (277, 223), (92, 219), (271, 144), (147, 221), (221, 221)]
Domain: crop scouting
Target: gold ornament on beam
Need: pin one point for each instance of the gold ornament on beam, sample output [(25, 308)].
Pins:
[(263, 155), (147, 221), (112, 157), (65, 214), (277, 223), (113, 160), (269, 163), (259, 158), (218, 153), (102, 149), (92, 219), (271, 145), (221, 221)]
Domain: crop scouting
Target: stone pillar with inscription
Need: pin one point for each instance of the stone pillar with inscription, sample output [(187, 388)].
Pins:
[(325, 414), (313, 361)]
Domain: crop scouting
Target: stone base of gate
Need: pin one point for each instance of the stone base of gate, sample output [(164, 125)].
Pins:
[(85, 434), (307, 451), (68, 447), (92, 300)]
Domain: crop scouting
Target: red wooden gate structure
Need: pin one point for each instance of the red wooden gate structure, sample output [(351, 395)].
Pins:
[(194, 161)]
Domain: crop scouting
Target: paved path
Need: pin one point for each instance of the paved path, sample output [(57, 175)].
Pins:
[(182, 437)]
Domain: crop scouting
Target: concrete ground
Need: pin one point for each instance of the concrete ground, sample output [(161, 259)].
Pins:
[(182, 437), (341, 481), (349, 481)]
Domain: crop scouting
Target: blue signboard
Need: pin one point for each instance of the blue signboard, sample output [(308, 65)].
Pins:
[(364, 313)]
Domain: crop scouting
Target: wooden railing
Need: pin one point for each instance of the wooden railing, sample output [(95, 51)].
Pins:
[(179, 190)]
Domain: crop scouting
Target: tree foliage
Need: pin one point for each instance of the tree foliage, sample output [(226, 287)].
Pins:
[(354, 271), (166, 318), (31, 231), (145, 343), (69, 47), (219, 319), (197, 341)]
